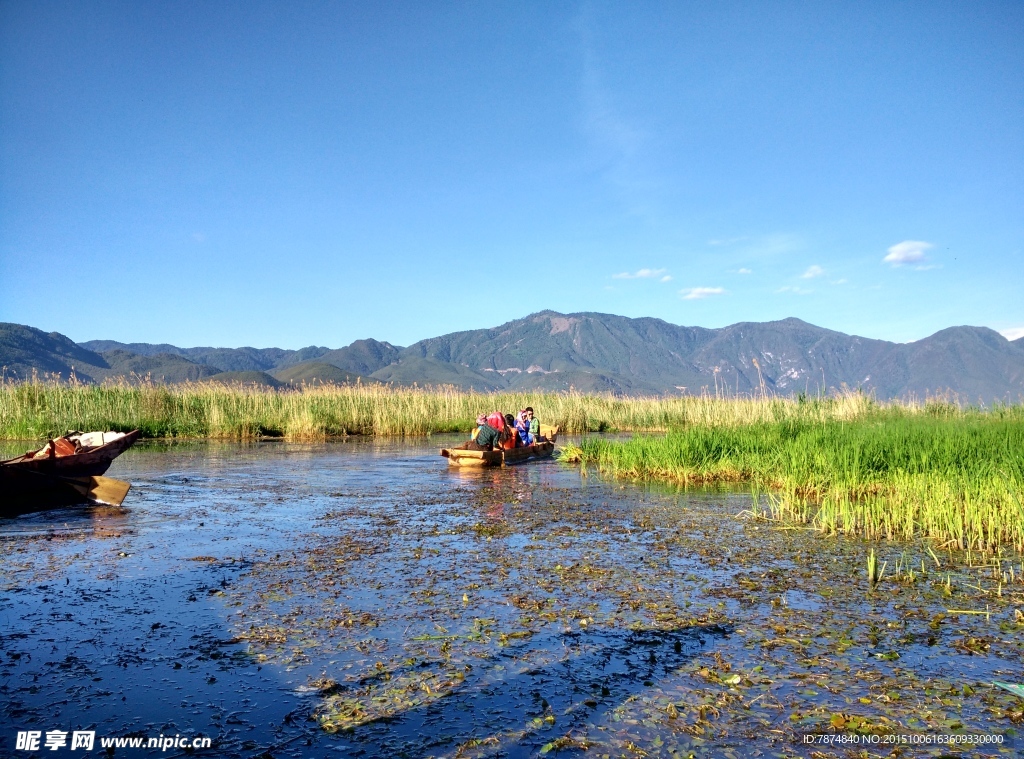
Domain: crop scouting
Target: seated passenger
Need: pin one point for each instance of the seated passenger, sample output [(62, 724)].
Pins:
[(485, 438), (533, 427), (523, 428), (512, 439)]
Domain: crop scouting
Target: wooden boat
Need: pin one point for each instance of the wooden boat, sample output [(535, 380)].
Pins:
[(66, 470), (462, 457)]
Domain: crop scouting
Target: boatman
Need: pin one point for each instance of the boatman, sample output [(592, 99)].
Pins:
[(485, 437)]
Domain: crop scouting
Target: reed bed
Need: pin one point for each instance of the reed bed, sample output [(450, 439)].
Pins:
[(37, 410), (844, 463), (893, 471)]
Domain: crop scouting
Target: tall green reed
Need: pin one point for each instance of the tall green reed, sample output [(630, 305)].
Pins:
[(893, 472)]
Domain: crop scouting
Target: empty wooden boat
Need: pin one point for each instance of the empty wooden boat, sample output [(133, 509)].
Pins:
[(66, 470)]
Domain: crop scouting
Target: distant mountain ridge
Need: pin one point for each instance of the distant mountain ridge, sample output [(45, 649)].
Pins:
[(591, 352), (357, 357)]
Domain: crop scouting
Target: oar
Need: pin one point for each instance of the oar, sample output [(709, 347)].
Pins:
[(104, 490)]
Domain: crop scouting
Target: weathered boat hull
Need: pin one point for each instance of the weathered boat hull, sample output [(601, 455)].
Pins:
[(28, 484), (463, 458)]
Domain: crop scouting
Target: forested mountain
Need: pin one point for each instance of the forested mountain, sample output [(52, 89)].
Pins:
[(587, 351)]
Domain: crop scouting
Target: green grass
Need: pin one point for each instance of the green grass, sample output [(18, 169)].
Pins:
[(893, 471)]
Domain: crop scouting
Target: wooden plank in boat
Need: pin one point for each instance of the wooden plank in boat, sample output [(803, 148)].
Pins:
[(460, 457)]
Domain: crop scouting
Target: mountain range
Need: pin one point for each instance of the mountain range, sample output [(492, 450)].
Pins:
[(590, 352)]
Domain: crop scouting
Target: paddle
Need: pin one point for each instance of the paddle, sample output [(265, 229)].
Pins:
[(104, 490)]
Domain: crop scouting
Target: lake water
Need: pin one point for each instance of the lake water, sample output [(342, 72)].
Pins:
[(358, 598)]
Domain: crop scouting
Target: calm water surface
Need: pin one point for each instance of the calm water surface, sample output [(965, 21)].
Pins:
[(359, 599)]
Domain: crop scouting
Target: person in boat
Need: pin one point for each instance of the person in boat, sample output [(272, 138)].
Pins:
[(523, 428), (512, 438), (487, 436), (481, 421), (529, 427), (534, 426)]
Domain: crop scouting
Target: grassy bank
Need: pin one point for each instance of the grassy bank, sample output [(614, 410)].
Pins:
[(208, 410), (896, 472)]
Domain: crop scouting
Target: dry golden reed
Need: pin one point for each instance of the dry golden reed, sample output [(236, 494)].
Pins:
[(36, 410)]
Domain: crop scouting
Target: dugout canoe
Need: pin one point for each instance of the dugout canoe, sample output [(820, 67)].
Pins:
[(464, 458), (66, 470)]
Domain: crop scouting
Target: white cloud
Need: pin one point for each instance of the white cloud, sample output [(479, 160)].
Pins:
[(727, 241), (642, 274), (907, 252), (794, 289), (1013, 333), (745, 271), (698, 293), (812, 272), (666, 278), (839, 281)]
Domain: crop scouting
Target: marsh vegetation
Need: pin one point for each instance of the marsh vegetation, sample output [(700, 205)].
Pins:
[(35, 410), (894, 472), (843, 463)]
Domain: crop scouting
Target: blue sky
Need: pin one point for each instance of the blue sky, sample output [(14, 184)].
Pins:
[(286, 174)]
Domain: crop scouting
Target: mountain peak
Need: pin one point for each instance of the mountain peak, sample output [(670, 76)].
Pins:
[(588, 351)]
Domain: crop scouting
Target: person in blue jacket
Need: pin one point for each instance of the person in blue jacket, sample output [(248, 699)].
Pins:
[(529, 428)]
